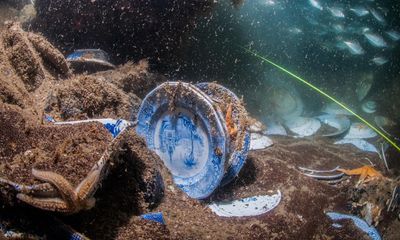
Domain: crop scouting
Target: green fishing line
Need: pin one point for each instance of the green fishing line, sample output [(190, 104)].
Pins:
[(324, 94)]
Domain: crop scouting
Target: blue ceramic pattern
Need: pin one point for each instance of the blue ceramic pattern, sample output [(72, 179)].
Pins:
[(74, 55), (115, 127), (77, 236), (49, 118), (88, 54), (187, 138), (156, 217), (358, 222), (177, 132), (238, 156)]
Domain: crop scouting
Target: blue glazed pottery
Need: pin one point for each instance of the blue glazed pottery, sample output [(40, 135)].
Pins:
[(89, 60), (240, 143), (180, 124)]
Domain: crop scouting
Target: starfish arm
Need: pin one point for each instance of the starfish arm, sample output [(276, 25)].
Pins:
[(63, 186), (88, 185), (371, 172), (363, 176), (50, 204), (356, 171)]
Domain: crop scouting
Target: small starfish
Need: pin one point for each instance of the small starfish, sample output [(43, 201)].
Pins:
[(72, 200), (232, 130), (360, 126), (366, 173)]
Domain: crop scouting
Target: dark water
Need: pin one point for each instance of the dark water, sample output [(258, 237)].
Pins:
[(214, 53)]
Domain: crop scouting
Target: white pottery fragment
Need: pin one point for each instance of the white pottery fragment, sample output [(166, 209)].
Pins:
[(251, 206), (259, 141)]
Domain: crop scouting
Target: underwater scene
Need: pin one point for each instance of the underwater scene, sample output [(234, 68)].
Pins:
[(199, 119)]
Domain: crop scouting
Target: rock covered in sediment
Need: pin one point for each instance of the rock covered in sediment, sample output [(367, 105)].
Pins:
[(86, 96), (30, 67), (22, 56), (133, 78), (69, 150)]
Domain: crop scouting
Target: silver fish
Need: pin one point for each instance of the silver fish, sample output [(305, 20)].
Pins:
[(375, 39), (336, 12), (394, 35), (379, 60), (295, 30), (360, 11), (354, 47), (377, 15), (341, 46), (338, 28), (316, 4), (270, 3)]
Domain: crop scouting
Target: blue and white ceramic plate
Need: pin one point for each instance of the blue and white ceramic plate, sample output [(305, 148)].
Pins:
[(240, 143), (91, 60), (359, 143), (360, 130), (274, 127), (335, 109), (340, 122), (303, 126), (180, 124)]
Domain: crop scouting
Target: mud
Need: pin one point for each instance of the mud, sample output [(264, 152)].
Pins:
[(69, 150), (89, 97), (300, 215), (133, 78)]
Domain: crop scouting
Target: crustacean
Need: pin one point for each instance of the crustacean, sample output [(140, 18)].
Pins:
[(367, 173)]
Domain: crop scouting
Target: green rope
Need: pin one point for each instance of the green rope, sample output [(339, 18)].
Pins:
[(324, 94)]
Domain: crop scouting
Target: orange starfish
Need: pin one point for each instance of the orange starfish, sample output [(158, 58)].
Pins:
[(366, 173), (232, 130)]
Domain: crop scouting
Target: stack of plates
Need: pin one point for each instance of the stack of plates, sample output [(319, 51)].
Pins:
[(186, 126)]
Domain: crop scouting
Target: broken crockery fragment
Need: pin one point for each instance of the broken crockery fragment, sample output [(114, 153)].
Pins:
[(154, 216), (358, 222), (251, 206), (259, 141), (187, 128)]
